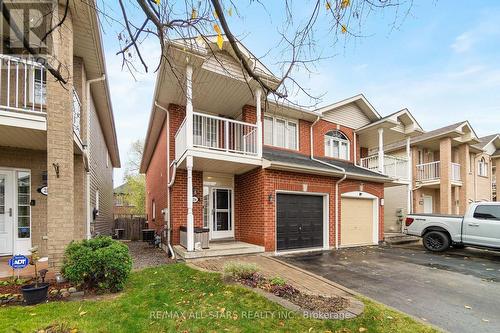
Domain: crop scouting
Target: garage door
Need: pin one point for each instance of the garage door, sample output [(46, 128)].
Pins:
[(357, 222), (299, 221)]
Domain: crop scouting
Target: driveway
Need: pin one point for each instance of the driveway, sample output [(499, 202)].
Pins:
[(458, 290)]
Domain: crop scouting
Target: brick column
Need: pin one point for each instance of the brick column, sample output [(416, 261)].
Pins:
[(464, 161), (60, 201), (445, 176)]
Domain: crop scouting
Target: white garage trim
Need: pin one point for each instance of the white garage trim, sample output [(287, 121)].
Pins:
[(365, 195), (326, 221)]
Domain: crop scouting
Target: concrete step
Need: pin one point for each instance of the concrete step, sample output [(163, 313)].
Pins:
[(399, 239), (219, 250)]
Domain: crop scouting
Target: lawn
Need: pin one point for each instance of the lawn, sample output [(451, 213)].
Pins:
[(175, 298)]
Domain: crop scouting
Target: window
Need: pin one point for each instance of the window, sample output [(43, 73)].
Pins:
[(153, 210), (482, 168), (487, 212), (280, 132), (37, 86), (471, 162), (337, 145), (23, 205), (107, 159)]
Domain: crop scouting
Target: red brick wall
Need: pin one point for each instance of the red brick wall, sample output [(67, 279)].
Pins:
[(156, 181), (321, 128)]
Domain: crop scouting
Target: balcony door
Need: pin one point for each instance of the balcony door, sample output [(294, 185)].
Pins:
[(221, 216), (6, 212)]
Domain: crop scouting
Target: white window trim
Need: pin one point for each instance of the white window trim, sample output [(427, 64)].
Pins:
[(482, 167), (339, 140), (153, 210), (286, 120)]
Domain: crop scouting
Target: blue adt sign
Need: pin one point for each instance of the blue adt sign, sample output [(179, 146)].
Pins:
[(18, 262)]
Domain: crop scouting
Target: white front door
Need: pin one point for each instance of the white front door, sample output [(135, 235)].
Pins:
[(221, 216), (427, 204), (6, 212)]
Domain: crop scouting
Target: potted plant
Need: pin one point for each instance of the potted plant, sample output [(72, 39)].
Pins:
[(36, 292)]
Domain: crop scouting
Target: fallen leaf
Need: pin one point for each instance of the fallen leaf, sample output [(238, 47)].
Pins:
[(83, 313), (485, 320), (362, 329), (467, 307)]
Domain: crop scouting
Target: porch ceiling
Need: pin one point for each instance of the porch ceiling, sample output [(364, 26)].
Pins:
[(218, 165), (369, 137), (19, 137)]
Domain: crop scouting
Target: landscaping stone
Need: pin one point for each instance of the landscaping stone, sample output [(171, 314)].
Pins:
[(54, 292), (65, 294), (78, 295), (72, 290), (64, 290)]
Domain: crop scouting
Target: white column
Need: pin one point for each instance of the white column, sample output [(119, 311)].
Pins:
[(258, 94), (381, 150), (410, 176), (190, 218), (189, 106)]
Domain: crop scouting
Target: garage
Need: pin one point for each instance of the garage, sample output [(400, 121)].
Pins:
[(357, 221), (299, 221)]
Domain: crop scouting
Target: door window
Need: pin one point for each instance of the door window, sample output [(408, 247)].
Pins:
[(2, 204), (487, 212), (222, 210), (23, 205)]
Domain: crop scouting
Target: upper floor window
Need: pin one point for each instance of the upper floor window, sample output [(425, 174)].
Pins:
[(281, 132), (337, 145), (37, 86), (482, 167)]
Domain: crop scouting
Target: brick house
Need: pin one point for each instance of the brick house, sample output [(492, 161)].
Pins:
[(276, 177), (451, 167), (56, 138)]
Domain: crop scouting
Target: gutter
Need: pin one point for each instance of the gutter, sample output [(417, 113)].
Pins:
[(86, 149), (337, 183), (167, 214)]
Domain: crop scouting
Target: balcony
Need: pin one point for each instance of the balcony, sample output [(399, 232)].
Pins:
[(77, 112), (217, 138), (430, 172), (395, 167)]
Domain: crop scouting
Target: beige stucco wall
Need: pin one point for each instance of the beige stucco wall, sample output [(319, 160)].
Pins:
[(36, 162), (395, 198)]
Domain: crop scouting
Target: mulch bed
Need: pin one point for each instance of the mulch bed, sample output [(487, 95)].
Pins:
[(144, 255)]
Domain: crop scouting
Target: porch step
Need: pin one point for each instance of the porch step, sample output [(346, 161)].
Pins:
[(399, 239), (219, 249)]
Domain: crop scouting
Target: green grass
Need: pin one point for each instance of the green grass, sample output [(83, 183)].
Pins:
[(179, 289)]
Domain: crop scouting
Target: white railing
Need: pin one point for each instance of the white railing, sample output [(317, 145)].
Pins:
[(77, 111), (22, 84), (428, 171), (396, 167), (217, 133), (455, 172)]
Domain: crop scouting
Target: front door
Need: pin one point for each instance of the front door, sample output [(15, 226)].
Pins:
[(6, 212), (427, 205), (221, 225)]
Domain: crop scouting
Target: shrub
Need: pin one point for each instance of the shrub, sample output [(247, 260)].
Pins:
[(240, 270), (285, 290), (101, 263), (277, 281)]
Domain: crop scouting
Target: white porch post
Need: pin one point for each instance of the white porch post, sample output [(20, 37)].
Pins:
[(410, 176), (189, 157), (381, 150), (258, 94)]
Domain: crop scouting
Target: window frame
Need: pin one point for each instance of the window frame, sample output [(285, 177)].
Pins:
[(340, 141), (274, 140), (482, 167)]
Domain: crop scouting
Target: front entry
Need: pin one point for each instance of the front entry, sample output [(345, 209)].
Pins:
[(221, 216), (15, 212), (428, 204)]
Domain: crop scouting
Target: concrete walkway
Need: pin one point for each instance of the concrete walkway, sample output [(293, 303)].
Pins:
[(303, 280)]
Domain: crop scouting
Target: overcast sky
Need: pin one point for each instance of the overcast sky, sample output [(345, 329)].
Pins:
[(442, 63)]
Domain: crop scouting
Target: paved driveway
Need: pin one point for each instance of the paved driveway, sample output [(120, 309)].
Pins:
[(458, 291)]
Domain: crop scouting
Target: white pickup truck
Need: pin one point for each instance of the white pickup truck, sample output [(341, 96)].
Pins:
[(480, 227)]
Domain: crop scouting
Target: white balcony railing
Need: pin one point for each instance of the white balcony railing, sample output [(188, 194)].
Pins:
[(428, 171), (77, 111), (217, 133), (396, 167), (455, 172), (22, 84)]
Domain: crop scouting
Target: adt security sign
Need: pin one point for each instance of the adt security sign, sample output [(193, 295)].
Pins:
[(18, 262)]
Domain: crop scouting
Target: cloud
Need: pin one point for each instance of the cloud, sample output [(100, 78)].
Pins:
[(463, 43)]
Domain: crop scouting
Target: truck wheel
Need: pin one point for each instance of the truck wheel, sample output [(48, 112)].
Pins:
[(436, 241)]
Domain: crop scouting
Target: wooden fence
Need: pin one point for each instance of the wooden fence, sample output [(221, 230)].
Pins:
[(132, 227)]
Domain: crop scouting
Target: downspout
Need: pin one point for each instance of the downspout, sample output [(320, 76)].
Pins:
[(337, 183), (170, 182), (86, 149)]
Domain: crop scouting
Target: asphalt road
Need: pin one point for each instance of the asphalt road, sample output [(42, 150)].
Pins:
[(458, 290)]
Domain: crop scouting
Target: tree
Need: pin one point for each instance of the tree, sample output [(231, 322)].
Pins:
[(136, 182)]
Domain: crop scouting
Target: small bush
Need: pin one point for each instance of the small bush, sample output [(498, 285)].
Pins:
[(286, 290), (277, 281), (101, 263), (239, 270)]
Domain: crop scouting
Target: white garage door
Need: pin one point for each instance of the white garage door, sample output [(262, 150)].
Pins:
[(357, 222)]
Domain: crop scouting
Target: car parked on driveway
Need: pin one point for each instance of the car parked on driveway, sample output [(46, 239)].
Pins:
[(479, 227)]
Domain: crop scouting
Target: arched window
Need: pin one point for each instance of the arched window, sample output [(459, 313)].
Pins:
[(337, 145), (482, 169)]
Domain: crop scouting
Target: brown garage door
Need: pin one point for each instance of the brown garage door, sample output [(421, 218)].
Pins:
[(357, 222)]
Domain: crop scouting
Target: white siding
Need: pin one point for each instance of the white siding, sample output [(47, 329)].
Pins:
[(349, 115), (395, 198)]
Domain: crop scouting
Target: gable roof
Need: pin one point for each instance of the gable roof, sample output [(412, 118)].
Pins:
[(360, 100), (485, 140), (392, 117)]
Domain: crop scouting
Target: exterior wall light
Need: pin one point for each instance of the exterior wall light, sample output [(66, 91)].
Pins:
[(270, 198)]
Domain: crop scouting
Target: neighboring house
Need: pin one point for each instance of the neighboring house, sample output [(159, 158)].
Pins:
[(217, 155), (490, 145), (452, 167), (57, 138), (122, 207)]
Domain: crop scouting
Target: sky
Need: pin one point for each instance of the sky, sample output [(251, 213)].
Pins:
[(441, 61)]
